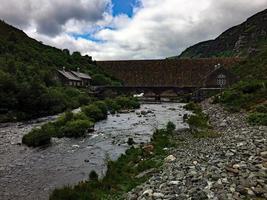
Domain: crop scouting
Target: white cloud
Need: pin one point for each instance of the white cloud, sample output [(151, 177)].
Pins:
[(159, 28)]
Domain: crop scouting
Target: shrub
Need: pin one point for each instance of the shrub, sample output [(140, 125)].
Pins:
[(77, 128), (258, 119), (126, 103), (102, 106), (193, 107), (37, 137), (93, 176), (198, 121), (94, 112), (170, 127), (64, 118), (112, 105), (262, 108), (243, 95)]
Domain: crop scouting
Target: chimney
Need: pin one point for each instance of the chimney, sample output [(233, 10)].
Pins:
[(78, 69)]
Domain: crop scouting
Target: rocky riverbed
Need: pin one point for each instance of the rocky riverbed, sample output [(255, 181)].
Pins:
[(232, 166), (27, 173)]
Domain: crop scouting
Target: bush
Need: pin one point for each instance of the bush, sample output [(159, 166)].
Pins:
[(37, 137), (94, 112), (170, 127), (193, 107), (258, 119), (262, 108), (77, 128), (243, 95), (127, 103), (198, 121), (93, 176), (102, 106)]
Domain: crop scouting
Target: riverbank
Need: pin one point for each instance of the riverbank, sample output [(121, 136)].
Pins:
[(130, 170), (232, 166), (33, 173)]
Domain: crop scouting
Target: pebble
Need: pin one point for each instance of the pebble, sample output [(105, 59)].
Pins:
[(232, 166)]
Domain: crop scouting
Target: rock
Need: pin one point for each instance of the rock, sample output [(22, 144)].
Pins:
[(132, 197), (148, 149), (170, 158), (131, 141), (145, 173), (158, 195), (233, 166), (258, 190), (242, 190), (148, 192), (223, 124), (236, 166), (143, 112), (229, 169), (250, 192), (264, 154), (174, 182)]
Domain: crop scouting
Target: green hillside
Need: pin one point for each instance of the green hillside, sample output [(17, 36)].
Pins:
[(242, 40), (28, 87)]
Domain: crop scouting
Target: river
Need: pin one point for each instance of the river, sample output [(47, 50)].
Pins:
[(27, 173)]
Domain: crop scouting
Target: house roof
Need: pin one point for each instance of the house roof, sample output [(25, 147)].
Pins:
[(69, 75), (81, 75)]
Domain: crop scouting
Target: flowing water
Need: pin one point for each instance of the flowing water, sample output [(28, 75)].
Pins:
[(27, 173)]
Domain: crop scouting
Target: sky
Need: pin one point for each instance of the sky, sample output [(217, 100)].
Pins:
[(126, 29)]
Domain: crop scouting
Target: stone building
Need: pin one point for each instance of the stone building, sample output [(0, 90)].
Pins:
[(72, 78)]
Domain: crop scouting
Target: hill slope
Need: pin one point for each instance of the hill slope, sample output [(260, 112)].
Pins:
[(27, 76), (241, 40)]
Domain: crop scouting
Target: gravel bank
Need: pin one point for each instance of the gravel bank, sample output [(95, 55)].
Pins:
[(232, 166)]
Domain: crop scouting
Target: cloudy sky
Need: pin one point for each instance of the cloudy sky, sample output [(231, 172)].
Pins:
[(126, 29)]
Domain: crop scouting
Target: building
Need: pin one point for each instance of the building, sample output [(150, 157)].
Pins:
[(86, 79), (220, 78), (72, 78)]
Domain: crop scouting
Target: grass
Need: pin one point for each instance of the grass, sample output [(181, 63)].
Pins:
[(244, 95), (77, 125), (258, 119), (122, 175), (250, 96), (199, 122)]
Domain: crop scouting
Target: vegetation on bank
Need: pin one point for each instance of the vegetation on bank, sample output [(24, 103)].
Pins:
[(199, 122), (124, 174), (78, 125), (244, 95), (259, 115), (249, 95), (28, 85)]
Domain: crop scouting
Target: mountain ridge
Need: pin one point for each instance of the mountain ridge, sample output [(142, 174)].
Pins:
[(239, 41)]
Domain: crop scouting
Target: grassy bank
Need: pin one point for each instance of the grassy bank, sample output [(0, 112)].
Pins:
[(125, 173), (250, 96), (78, 125), (199, 122)]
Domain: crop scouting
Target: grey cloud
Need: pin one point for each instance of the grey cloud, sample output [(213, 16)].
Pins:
[(50, 16)]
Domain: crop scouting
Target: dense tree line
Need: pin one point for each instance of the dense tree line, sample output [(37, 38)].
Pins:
[(28, 87)]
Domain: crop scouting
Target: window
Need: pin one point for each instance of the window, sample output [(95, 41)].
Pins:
[(221, 80)]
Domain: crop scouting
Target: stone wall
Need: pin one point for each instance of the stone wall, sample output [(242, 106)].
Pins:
[(180, 73)]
